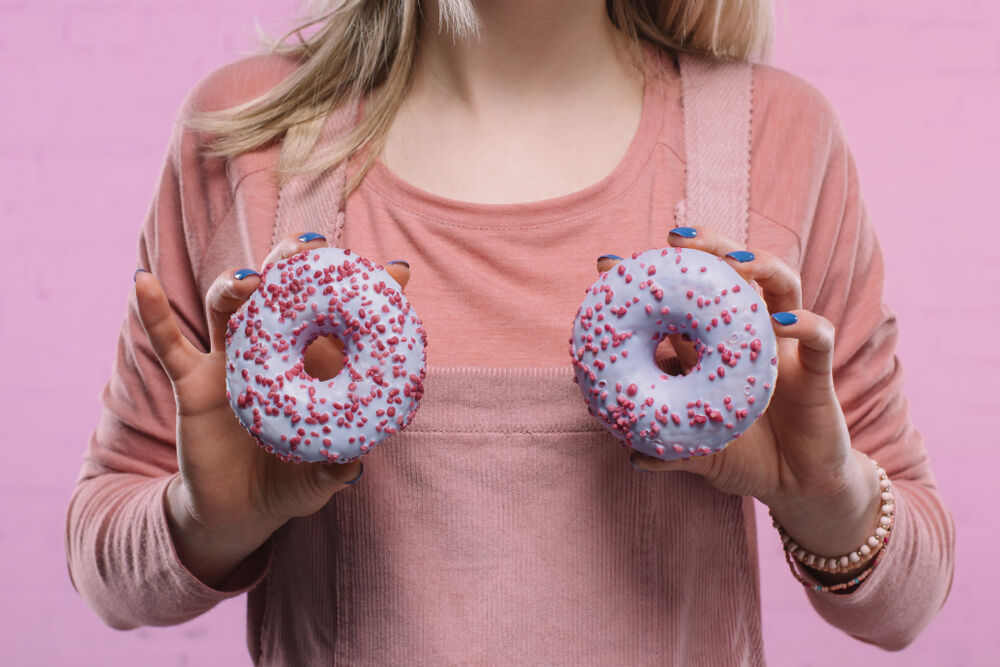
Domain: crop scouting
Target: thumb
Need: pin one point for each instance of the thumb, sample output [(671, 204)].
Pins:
[(176, 353), (335, 477), (400, 272)]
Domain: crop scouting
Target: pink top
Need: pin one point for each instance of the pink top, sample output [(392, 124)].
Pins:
[(505, 525)]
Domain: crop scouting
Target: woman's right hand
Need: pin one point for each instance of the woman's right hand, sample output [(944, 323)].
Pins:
[(231, 495)]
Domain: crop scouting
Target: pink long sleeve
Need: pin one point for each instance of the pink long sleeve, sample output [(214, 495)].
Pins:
[(119, 551), (842, 277)]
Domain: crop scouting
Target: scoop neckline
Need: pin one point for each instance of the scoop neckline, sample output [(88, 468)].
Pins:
[(564, 208)]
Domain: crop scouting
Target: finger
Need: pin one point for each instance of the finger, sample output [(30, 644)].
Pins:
[(699, 465), (815, 335), (293, 244), (340, 476), (686, 352), (607, 262), (224, 298), (702, 238), (400, 272), (176, 353), (780, 283)]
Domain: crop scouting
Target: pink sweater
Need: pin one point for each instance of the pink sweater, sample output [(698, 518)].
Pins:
[(505, 526)]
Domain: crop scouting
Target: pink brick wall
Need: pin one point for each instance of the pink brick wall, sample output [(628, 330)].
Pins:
[(88, 92)]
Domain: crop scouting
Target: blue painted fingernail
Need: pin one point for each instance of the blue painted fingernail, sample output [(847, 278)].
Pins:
[(686, 232), (244, 273), (740, 255), (137, 272), (361, 471), (635, 467), (399, 261), (785, 318), (311, 236), (614, 257)]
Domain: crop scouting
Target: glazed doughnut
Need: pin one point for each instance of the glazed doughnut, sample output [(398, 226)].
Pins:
[(631, 309), (315, 293)]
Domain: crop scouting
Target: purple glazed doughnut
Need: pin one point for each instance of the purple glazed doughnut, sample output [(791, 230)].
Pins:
[(631, 309), (316, 293)]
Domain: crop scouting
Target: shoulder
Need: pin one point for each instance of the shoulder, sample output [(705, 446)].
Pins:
[(799, 161), (787, 105), (208, 183), (228, 86), (238, 82)]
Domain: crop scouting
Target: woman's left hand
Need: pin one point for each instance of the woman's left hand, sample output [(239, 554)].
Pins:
[(797, 458)]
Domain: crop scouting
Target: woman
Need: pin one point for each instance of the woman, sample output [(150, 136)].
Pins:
[(503, 525)]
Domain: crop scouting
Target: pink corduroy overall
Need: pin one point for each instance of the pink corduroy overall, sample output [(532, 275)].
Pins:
[(505, 525)]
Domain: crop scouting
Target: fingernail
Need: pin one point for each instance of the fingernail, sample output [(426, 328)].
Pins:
[(399, 261), (785, 318), (635, 467), (686, 232), (360, 472), (137, 272), (244, 273), (740, 255), (311, 236), (614, 257)]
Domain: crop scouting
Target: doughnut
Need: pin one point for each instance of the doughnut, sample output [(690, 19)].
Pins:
[(631, 309), (296, 416)]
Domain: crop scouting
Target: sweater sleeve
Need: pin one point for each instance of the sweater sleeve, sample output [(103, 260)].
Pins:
[(843, 275), (120, 554)]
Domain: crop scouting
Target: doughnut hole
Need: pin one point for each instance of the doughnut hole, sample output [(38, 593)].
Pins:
[(324, 357), (676, 355)]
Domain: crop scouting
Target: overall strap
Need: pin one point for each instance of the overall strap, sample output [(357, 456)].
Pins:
[(716, 97), (314, 202)]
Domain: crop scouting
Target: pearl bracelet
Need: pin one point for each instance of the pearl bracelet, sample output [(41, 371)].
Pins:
[(865, 552)]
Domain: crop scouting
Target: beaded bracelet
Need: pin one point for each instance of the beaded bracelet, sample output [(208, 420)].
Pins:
[(869, 549), (835, 587)]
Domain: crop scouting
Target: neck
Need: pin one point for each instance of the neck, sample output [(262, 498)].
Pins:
[(525, 48)]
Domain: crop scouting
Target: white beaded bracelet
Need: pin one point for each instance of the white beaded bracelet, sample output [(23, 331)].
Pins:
[(867, 550)]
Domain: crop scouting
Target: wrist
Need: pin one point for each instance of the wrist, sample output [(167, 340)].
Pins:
[(209, 552), (834, 523), (840, 574)]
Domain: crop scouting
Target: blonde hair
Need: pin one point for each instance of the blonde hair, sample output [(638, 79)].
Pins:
[(356, 45)]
